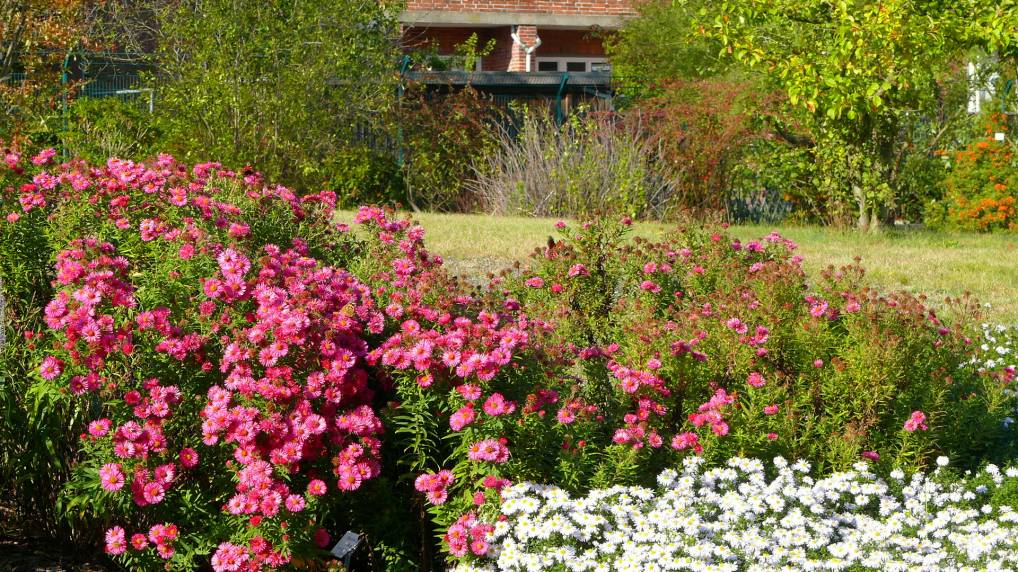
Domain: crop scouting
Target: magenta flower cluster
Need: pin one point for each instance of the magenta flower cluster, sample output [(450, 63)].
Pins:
[(241, 358)]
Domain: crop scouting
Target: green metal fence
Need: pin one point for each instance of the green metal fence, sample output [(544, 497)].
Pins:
[(110, 74)]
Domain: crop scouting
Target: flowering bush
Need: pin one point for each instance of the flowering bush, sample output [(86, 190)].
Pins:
[(998, 347), (210, 322), (606, 361), (742, 517), (981, 187)]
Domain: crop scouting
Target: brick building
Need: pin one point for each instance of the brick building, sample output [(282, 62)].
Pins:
[(529, 35)]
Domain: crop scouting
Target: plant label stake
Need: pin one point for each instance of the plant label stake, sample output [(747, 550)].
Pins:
[(345, 548)]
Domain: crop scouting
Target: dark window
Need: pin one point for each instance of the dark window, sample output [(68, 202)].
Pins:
[(547, 66), (576, 66)]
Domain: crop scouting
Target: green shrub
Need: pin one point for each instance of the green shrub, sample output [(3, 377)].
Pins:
[(605, 361), (149, 270), (100, 128), (360, 174), (440, 137), (193, 310), (37, 428), (278, 84)]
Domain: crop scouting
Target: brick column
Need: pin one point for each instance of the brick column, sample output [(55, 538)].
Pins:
[(518, 58)]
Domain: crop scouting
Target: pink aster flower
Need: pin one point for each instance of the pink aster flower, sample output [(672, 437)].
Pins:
[(917, 422), (578, 270), (349, 479), (461, 418), (650, 286), (295, 503), (535, 282), (186, 251), (755, 379), (51, 368), (770, 409), (165, 473), (497, 405), (438, 496), (116, 542), (686, 440), (316, 487), (469, 391), (99, 427), (139, 541), (426, 482), (491, 450), (111, 477), (188, 458), (737, 325), (153, 492), (479, 547), (230, 557), (165, 551), (44, 156)]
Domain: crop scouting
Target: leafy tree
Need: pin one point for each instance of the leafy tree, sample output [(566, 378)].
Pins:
[(280, 84), (861, 72), (661, 45), (35, 37), (703, 131)]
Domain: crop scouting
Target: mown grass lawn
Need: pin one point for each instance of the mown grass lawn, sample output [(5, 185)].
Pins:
[(938, 264)]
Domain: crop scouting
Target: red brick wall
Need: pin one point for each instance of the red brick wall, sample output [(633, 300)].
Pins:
[(555, 42), (591, 7), (444, 40), (508, 56), (500, 57)]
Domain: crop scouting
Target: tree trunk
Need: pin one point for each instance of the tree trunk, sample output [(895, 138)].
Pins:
[(863, 221), (874, 218)]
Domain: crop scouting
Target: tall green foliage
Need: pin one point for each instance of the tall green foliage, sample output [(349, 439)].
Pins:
[(441, 136), (279, 84), (661, 44), (99, 128), (37, 428), (860, 72)]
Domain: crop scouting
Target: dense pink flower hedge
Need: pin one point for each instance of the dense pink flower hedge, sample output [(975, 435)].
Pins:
[(250, 365), (207, 313)]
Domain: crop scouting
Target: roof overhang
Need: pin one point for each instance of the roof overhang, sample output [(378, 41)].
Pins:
[(450, 18), (513, 82)]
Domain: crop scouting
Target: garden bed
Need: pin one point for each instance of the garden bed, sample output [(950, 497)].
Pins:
[(206, 369)]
